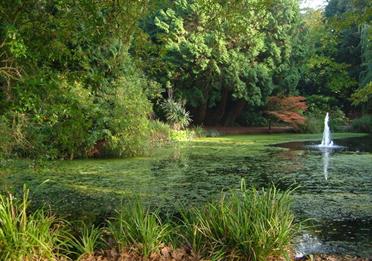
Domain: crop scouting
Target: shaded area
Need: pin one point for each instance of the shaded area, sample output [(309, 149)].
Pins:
[(356, 144)]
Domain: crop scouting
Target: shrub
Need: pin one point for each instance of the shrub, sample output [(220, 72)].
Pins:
[(252, 118), (287, 109), (6, 140), (199, 132), (315, 120), (313, 124), (160, 132), (29, 237), (87, 242), (126, 118), (243, 225), (136, 227), (176, 114), (363, 124)]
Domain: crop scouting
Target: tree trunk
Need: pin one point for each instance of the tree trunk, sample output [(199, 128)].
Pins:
[(200, 112), (234, 112), (215, 115)]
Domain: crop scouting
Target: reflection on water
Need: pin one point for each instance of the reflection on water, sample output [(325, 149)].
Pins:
[(341, 206), (307, 243), (325, 163), (326, 159)]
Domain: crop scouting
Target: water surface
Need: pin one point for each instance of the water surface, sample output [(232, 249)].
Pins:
[(335, 187)]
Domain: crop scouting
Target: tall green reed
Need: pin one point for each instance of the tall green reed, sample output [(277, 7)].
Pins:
[(25, 236), (247, 224), (134, 226), (89, 239)]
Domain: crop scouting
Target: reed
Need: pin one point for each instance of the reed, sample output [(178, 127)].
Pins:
[(136, 228), (26, 236), (247, 224)]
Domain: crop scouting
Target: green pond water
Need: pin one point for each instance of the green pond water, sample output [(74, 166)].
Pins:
[(335, 187)]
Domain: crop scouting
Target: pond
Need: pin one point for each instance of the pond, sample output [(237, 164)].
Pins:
[(334, 187)]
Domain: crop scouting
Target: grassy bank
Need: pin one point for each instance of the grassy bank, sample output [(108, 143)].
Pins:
[(244, 224)]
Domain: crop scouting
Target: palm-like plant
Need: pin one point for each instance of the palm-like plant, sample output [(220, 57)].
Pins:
[(176, 114)]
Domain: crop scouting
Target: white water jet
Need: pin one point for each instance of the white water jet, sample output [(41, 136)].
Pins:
[(326, 140)]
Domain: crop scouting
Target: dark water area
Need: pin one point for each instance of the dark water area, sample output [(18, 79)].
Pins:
[(357, 144), (340, 200)]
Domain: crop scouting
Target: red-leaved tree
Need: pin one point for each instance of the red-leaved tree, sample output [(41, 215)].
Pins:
[(287, 109)]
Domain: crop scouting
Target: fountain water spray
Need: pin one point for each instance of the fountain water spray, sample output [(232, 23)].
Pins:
[(326, 140)]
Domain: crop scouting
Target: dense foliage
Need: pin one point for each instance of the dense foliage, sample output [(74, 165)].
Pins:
[(68, 82), (86, 78), (204, 52), (287, 109)]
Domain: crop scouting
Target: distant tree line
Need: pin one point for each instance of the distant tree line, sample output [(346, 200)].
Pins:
[(77, 77)]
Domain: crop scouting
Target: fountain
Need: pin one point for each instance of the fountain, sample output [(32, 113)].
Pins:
[(326, 140), (326, 146)]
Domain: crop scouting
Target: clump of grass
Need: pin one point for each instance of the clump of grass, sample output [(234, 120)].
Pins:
[(243, 225), (135, 227), (28, 237), (88, 241)]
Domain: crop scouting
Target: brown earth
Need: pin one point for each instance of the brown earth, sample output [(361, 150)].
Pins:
[(250, 130), (182, 254)]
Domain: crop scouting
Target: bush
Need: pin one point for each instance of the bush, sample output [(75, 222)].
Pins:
[(313, 124), (6, 141), (243, 225), (176, 114), (63, 118), (199, 132), (252, 118), (126, 119), (29, 237), (160, 132), (315, 120), (136, 227), (363, 124), (54, 116)]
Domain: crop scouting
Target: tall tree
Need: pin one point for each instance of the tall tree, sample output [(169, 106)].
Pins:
[(324, 73), (221, 57)]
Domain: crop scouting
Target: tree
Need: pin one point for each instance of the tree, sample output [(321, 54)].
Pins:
[(351, 20), (287, 109), (221, 57), (324, 74), (72, 78)]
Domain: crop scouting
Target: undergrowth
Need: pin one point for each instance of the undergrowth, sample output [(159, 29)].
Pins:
[(245, 224)]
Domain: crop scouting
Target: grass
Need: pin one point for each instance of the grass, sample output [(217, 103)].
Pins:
[(88, 241), (24, 236), (135, 227), (243, 225)]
